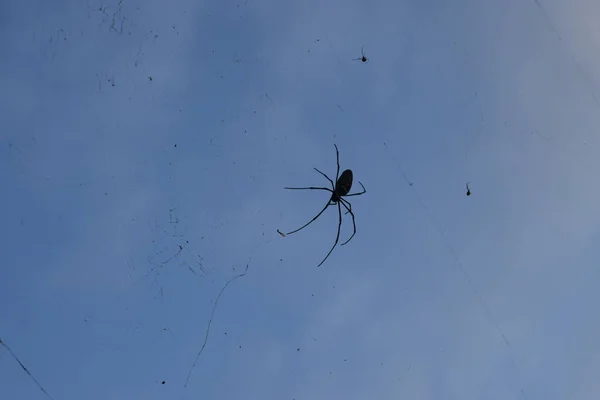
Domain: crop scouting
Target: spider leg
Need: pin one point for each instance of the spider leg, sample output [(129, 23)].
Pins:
[(330, 181), (309, 222), (353, 222), (337, 154), (337, 238), (311, 188), (359, 193), (348, 206)]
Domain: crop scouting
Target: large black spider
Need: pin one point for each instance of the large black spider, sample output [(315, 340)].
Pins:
[(341, 188)]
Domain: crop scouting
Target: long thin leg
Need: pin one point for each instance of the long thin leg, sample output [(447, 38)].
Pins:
[(337, 156), (337, 238), (347, 203), (311, 188), (309, 222), (359, 193), (353, 222), (330, 181)]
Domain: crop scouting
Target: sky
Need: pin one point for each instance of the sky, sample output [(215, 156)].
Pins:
[(144, 151)]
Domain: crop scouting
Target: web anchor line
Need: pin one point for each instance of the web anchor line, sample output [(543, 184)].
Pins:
[(214, 309)]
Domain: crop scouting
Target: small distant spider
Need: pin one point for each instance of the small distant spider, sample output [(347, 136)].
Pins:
[(468, 190), (362, 58), (341, 188)]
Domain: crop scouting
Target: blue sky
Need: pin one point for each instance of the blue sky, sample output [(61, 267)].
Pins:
[(144, 149)]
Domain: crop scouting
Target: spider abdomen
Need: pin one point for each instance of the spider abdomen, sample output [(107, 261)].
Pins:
[(344, 183)]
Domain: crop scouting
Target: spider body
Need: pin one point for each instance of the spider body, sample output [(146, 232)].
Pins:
[(343, 184), (362, 57)]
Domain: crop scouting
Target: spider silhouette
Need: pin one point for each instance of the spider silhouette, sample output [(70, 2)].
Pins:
[(342, 186), (362, 58)]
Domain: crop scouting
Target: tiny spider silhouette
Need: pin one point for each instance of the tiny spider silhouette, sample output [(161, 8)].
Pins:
[(468, 190), (342, 186), (362, 58)]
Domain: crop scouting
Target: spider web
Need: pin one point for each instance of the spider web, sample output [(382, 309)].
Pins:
[(173, 251)]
